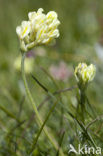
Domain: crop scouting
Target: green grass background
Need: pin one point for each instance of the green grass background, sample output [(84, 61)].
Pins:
[(81, 29)]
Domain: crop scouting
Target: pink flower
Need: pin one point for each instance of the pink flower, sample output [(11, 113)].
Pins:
[(60, 72)]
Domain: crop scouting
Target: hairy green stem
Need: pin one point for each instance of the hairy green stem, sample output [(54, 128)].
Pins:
[(39, 121)]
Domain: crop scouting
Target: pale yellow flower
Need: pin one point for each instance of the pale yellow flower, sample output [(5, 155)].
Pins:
[(23, 30), (85, 74), (29, 62), (40, 29)]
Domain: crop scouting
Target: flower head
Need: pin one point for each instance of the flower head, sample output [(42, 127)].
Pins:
[(84, 74), (39, 29)]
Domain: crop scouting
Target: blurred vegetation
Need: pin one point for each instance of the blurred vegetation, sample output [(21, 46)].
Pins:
[(81, 30)]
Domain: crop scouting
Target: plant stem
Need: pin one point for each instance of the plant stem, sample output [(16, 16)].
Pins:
[(39, 121), (82, 103), (37, 137)]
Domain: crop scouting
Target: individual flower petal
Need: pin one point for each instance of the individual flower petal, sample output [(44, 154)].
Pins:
[(23, 30), (52, 15)]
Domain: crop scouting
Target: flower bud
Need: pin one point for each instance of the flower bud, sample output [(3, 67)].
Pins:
[(84, 74)]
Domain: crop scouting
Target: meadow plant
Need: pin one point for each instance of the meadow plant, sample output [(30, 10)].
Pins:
[(42, 29), (84, 75)]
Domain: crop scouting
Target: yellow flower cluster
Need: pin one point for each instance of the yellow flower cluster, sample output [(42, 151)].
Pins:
[(84, 74), (39, 29)]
